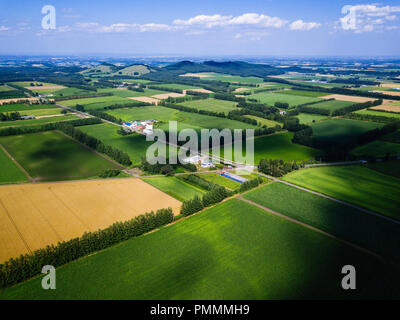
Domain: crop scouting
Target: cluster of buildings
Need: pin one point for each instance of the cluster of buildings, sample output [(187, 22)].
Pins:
[(203, 161), (145, 126)]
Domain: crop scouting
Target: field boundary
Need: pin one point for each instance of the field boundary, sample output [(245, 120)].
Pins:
[(312, 228)]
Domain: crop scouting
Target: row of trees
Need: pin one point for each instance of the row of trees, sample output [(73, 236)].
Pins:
[(196, 204), (370, 117), (26, 266), (355, 107), (198, 181), (250, 184), (83, 96), (165, 167), (277, 168), (96, 144), (105, 116), (109, 173), (12, 116)]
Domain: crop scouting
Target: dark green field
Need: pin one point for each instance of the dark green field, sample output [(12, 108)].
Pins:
[(332, 105), (10, 173), (51, 156), (341, 130), (391, 167), (218, 254), (356, 184), (370, 232), (377, 149)]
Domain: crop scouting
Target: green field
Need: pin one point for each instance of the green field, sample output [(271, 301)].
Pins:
[(69, 92), (5, 88), (125, 93), (175, 187), (377, 148), (278, 146), (314, 94), (308, 118), (292, 100), (41, 112), (370, 232), (341, 130), (222, 181), (230, 78), (25, 107), (392, 137), (215, 255), (176, 86), (264, 122), (356, 184), (33, 122), (135, 145), (379, 113), (51, 156), (158, 113), (213, 105), (10, 173), (96, 103), (332, 105)]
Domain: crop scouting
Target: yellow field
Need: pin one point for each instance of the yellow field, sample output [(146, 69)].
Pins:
[(167, 95), (146, 99), (33, 216), (45, 87), (348, 98)]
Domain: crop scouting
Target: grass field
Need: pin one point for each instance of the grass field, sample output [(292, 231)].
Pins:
[(158, 113), (177, 86), (96, 103), (51, 156), (370, 232), (37, 215), (332, 105), (213, 105), (222, 181), (264, 122), (379, 113), (292, 100), (124, 93), (314, 94), (5, 88), (134, 145), (230, 78), (377, 148), (24, 107), (10, 173), (391, 167), (308, 118), (41, 112), (214, 255), (356, 184), (40, 121), (341, 130), (175, 187)]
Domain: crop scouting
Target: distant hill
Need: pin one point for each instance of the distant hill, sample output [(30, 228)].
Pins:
[(102, 68), (108, 68)]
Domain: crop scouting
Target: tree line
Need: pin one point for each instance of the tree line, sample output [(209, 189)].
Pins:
[(26, 266), (278, 168)]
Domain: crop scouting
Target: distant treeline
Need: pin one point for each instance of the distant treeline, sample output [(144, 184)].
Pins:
[(83, 96), (27, 266), (105, 116)]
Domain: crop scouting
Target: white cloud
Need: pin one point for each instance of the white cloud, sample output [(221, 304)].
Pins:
[(368, 17), (4, 28), (247, 19), (95, 27), (303, 26)]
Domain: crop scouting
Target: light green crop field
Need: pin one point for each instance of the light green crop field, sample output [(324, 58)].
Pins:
[(96, 103), (125, 93), (356, 184), (379, 113), (10, 173), (213, 105), (24, 107), (135, 145), (158, 113), (265, 122), (278, 147), (308, 118), (341, 130), (222, 181), (5, 88), (41, 112), (29, 83), (270, 98), (33, 122), (391, 167), (51, 156), (305, 93), (332, 105), (176, 86), (230, 78), (69, 92), (220, 253), (175, 187), (377, 148), (370, 232)]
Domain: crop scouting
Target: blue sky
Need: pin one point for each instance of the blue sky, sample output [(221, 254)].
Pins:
[(194, 28)]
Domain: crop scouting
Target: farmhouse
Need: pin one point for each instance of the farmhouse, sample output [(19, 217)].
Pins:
[(282, 112), (27, 117)]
